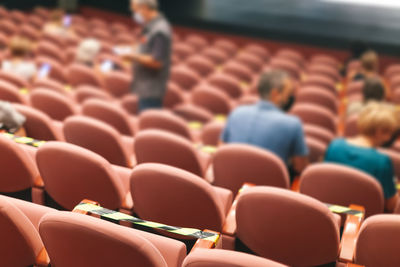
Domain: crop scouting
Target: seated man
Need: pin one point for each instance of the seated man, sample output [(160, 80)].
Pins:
[(265, 125), (376, 125)]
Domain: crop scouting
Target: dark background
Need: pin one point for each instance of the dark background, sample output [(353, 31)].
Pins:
[(302, 21)]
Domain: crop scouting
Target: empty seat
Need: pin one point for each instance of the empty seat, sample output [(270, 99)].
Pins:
[(49, 84), (315, 115), (197, 41), (129, 103), (100, 138), (200, 64), (216, 55), (193, 113), (325, 70), (49, 49), (39, 125), (118, 83), (287, 227), (8, 27), (14, 79), (79, 74), (376, 243), (164, 120), (94, 242), (71, 174), (57, 71), (183, 50), (239, 71), (316, 149), (320, 81), (173, 96), (225, 258), (250, 60), (325, 59), (178, 198), (111, 114), (236, 164), (21, 244), (323, 181), (318, 97), (58, 107), (258, 50), (291, 54), (19, 174), (318, 133), (227, 45), (10, 93), (211, 133), (285, 64), (184, 77), (212, 99), (85, 92), (163, 147), (226, 83)]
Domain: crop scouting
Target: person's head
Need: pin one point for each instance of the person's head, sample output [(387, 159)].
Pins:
[(373, 90), (144, 10), (20, 46), (378, 122), (275, 86), (87, 51), (56, 16), (370, 61)]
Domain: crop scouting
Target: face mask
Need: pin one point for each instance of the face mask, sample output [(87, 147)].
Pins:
[(138, 18)]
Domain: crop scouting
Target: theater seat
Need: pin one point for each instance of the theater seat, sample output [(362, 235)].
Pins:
[(100, 138), (176, 197), (21, 244), (377, 241), (287, 227), (324, 181), (316, 149), (79, 240), (72, 173), (9, 92), (318, 133), (236, 164), (315, 115), (211, 133), (225, 258), (156, 146)]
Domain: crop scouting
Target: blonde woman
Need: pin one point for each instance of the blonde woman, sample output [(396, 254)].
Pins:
[(376, 124)]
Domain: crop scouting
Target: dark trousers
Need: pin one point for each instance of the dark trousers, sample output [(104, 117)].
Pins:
[(150, 103)]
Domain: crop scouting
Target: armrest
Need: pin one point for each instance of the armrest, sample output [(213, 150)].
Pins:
[(350, 233), (353, 265), (38, 182), (42, 259), (207, 243), (296, 185), (229, 227)]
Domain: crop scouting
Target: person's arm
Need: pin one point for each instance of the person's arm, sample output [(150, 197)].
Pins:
[(155, 59), (389, 185), (299, 150)]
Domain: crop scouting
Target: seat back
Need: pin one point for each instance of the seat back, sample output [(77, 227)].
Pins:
[(211, 133), (94, 242), (164, 120), (318, 133), (176, 197), (287, 227), (319, 97), (377, 241), (323, 181), (10, 93), (316, 149), (193, 113), (111, 114), (38, 125), (184, 77), (226, 83), (55, 105), (212, 99), (225, 258), (163, 147), (21, 243), (20, 172), (98, 137), (315, 115), (236, 164), (72, 173), (118, 83), (79, 74)]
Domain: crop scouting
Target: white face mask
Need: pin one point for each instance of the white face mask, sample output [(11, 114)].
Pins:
[(138, 18)]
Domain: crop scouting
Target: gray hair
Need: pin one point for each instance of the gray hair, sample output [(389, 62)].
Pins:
[(153, 4), (272, 79), (88, 50)]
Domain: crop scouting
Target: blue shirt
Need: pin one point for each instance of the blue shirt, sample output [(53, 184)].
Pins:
[(368, 160), (266, 126)]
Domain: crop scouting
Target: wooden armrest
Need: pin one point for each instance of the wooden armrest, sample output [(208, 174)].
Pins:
[(42, 259), (350, 233), (296, 185), (207, 243), (229, 227), (38, 182)]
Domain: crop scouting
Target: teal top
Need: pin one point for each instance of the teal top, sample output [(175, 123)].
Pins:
[(365, 159)]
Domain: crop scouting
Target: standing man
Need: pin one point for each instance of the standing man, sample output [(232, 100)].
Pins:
[(152, 60)]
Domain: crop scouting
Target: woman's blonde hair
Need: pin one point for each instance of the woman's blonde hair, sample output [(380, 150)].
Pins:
[(377, 116)]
